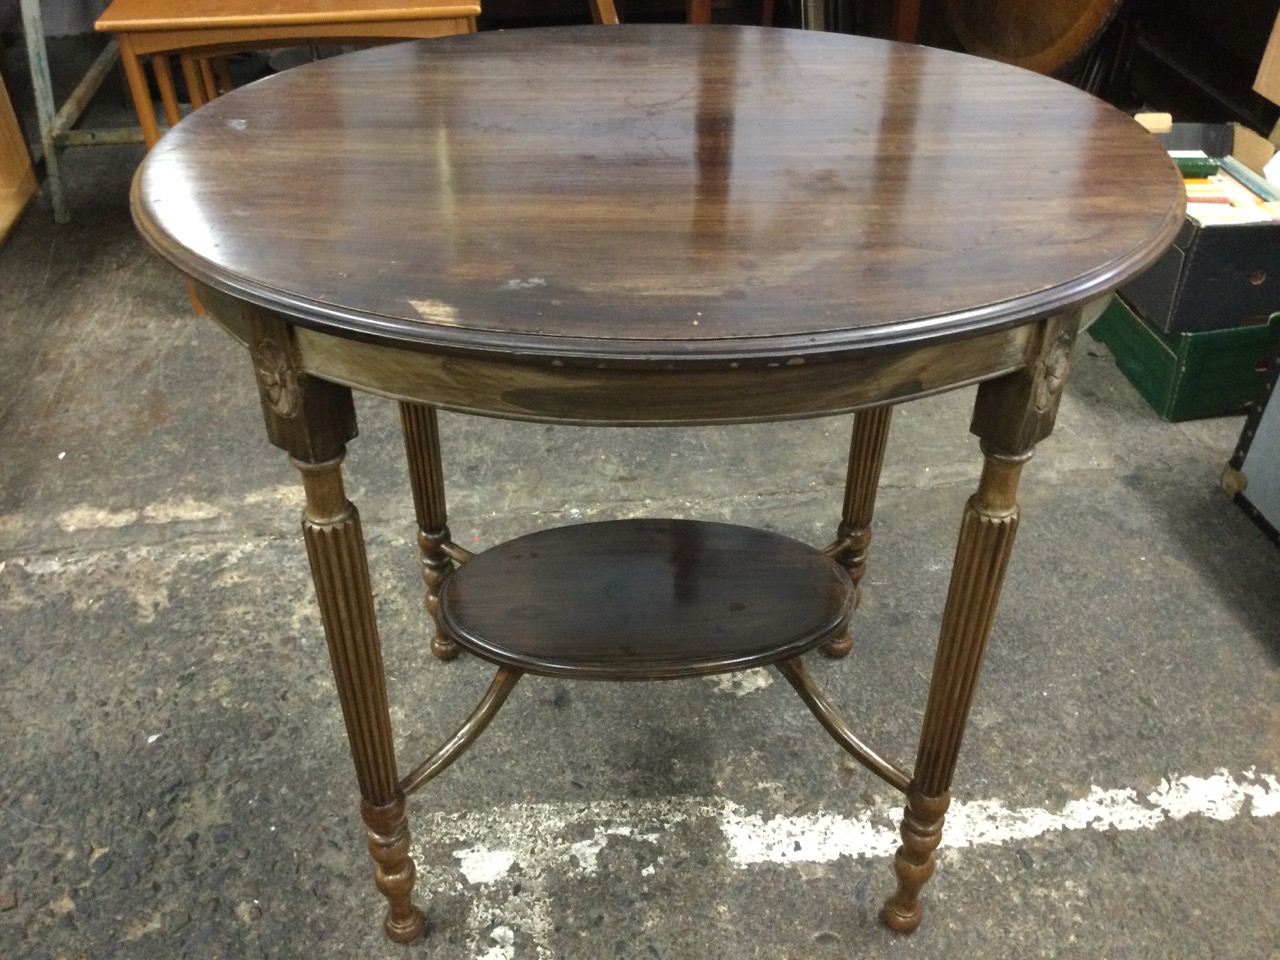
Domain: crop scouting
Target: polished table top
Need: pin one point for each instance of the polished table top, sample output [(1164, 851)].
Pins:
[(658, 196), (654, 225)]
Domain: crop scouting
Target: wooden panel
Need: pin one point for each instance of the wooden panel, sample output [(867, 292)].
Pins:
[(645, 599), (17, 181), (510, 194), (212, 39), (1030, 33), (1267, 82), (141, 15), (591, 395)]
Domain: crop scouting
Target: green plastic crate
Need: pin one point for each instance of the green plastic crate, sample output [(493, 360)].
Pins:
[(1184, 376)]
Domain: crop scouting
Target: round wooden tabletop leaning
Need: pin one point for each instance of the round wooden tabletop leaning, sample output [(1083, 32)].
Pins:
[(1045, 37), (653, 198)]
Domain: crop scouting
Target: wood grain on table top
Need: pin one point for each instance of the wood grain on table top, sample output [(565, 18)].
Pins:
[(659, 192)]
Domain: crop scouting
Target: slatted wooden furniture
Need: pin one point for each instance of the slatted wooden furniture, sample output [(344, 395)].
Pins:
[(152, 30), (643, 226), (17, 182)]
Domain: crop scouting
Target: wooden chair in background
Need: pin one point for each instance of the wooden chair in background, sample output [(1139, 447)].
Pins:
[(196, 30), (202, 32), (208, 76), (17, 182)]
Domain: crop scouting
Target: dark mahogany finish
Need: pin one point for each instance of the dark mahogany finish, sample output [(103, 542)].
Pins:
[(646, 600), (651, 225), (655, 193)]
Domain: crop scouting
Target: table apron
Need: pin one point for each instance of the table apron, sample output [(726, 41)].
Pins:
[(552, 393)]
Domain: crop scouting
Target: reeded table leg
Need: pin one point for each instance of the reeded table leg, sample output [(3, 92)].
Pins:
[(853, 536), (312, 420), (1010, 416), (426, 477), (986, 540), (335, 546)]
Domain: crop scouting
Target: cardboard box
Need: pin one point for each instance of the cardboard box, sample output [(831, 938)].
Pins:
[(1215, 276), (1218, 276), (1189, 375)]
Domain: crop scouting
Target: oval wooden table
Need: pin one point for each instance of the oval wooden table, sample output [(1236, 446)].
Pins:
[(654, 225)]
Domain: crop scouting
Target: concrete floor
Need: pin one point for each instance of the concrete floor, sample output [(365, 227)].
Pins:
[(174, 780)]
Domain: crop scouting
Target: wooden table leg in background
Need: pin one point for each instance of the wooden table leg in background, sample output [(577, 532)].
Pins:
[(196, 93), (698, 11), (141, 93), (426, 478), (163, 70), (312, 420), (905, 20), (17, 180), (603, 11), (1011, 415), (853, 536)]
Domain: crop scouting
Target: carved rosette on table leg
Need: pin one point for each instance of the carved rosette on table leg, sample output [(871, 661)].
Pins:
[(426, 478), (1011, 415), (866, 458), (312, 420)]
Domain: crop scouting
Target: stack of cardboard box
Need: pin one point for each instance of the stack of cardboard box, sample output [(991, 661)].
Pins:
[(1197, 333)]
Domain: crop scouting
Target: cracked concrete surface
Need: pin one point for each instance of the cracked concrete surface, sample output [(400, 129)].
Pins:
[(175, 783)]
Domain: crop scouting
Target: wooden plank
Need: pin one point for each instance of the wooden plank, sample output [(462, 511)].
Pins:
[(1267, 82), (1045, 37), (17, 181), (143, 15)]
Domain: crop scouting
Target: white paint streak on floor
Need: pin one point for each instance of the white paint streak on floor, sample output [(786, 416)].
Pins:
[(504, 948), (180, 511), (482, 865), (587, 852), (95, 518), (85, 517), (824, 837), (533, 844), (742, 683)]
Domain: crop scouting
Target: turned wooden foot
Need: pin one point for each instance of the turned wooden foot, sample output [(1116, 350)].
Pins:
[(442, 648), (426, 479), (1011, 414), (853, 536), (394, 872), (986, 540), (313, 420), (838, 647), (335, 544), (914, 863)]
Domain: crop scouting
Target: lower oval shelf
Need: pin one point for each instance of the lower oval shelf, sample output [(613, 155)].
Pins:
[(645, 600)]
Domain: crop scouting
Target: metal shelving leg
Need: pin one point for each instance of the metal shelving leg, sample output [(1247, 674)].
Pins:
[(56, 125)]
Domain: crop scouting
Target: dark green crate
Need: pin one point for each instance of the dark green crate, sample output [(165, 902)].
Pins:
[(1183, 376)]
